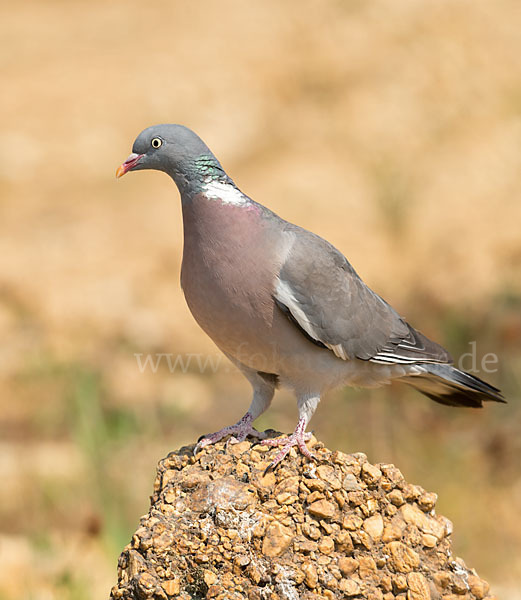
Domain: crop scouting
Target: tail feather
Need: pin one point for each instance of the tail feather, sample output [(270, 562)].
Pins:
[(447, 385)]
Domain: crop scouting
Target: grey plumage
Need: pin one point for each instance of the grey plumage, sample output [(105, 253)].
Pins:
[(323, 289), (281, 302), (450, 386)]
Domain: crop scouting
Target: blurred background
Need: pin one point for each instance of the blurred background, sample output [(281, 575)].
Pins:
[(393, 129)]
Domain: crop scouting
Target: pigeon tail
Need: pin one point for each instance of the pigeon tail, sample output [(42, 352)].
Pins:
[(450, 386)]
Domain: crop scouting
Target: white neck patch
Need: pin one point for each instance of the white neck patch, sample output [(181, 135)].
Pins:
[(225, 192)]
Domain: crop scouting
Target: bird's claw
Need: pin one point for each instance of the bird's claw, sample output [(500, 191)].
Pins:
[(297, 438), (238, 433)]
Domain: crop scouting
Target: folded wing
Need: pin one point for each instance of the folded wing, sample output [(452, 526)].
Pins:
[(323, 296)]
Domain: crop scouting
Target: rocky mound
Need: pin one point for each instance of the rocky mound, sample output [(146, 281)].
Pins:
[(219, 527)]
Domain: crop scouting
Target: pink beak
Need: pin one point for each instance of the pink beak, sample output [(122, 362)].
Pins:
[(129, 164)]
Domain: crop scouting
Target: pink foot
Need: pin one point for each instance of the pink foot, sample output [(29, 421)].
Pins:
[(297, 438), (238, 432)]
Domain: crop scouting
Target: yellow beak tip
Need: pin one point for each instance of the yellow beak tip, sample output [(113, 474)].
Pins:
[(120, 171)]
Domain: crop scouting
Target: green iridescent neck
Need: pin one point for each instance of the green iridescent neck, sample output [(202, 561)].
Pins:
[(208, 168), (197, 173)]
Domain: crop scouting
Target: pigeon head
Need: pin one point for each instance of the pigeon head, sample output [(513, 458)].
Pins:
[(175, 150)]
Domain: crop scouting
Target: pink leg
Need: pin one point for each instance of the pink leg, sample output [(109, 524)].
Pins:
[(262, 394), (298, 438), (239, 432)]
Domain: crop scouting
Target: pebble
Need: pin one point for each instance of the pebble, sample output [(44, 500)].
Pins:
[(418, 587), (402, 558), (310, 575), (311, 531), (396, 497), (330, 476), (277, 539), (172, 586), (286, 498), (347, 566), (460, 584), (371, 474), (326, 545), (349, 587), (307, 546), (399, 583), (367, 567), (339, 498), (427, 501), (350, 483), (344, 543), (209, 577), (314, 497), (425, 523), (374, 526), (391, 533), (322, 509), (428, 540), (352, 522), (478, 586)]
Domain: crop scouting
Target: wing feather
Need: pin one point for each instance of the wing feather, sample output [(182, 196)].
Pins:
[(324, 296)]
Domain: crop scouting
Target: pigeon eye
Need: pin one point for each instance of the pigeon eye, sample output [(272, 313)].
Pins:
[(156, 142)]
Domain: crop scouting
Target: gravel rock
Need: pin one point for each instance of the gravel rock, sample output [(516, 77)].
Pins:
[(220, 527), (322, 509), (277, 539)]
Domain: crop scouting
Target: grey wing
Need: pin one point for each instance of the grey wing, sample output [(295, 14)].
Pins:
[(321, 293)]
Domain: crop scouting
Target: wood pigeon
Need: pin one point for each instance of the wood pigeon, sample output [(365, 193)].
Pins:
[(283, 304)]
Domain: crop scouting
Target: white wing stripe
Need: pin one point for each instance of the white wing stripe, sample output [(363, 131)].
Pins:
[(407, 346), (285, 295), (389, 358)]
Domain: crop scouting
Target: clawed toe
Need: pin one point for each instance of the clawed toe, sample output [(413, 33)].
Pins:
[(298, 438), (208, 440), (238, 433)]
